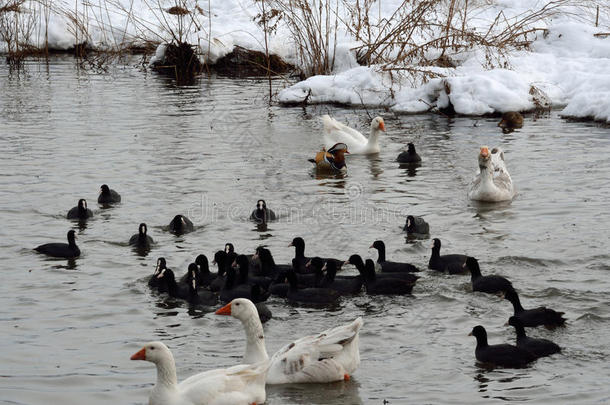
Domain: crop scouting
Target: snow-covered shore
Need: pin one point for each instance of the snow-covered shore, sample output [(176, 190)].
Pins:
[(566, 67)]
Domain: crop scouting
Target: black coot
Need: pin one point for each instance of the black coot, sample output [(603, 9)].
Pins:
[(538, 347), (204, 276), (309, 295), (409, 155), (536, 316), (416, 226), (268, 266), (80, 212), (180, 225), (452, 264), (153, 281), (300, 261), (391, 267), (198, 294), (487, 284), (243, 265), (232, 290), (357, 261), (262, 214), (502, 355), (346, 285), (108, 196), (66, 250), (222, 262), (387, 284), (141, 239)]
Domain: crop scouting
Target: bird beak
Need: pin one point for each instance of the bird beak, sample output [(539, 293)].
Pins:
[(464, 265), (346, 262), (371, 247), (484, 151), (161, 274), (324, 267), (194, 282), (308, 264), (214, 262), (141, 355), (290, 245), (382, 126), (226, 310), (470, 334), (346, 151), (506, 324), (234, 264)]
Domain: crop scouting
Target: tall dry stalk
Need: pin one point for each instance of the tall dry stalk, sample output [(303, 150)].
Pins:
[(312, 25)]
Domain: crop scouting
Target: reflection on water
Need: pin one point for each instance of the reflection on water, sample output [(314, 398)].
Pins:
[(211, 150), (345, 392), (410, 169)]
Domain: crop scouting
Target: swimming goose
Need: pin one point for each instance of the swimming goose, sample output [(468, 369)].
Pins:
[(493, 182), (332, 355), (336, 132), (238, 385)]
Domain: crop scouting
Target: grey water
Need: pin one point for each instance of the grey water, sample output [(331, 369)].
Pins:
[(209, 151)]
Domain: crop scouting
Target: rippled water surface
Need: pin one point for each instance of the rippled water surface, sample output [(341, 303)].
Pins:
[(210, 151)]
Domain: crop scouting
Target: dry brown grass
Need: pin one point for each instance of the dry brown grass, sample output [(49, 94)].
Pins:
[(313, 26)]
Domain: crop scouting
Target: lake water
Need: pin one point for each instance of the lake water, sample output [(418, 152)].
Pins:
[(209, 151)]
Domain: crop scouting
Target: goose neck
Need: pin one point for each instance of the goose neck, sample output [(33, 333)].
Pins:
[(255, 341)]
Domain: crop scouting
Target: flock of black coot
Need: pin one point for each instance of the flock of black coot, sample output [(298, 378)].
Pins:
[(314, 280)]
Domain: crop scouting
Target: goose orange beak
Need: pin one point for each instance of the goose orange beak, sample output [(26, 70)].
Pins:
[(226, 310), (484, 151), (382, 126), (141, 355)]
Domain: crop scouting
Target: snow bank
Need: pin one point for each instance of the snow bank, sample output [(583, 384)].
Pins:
[(568, 67)]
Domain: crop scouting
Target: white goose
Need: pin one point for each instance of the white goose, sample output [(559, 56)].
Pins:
[(493, 182), (331, 355), (336, 132), (238, 385)]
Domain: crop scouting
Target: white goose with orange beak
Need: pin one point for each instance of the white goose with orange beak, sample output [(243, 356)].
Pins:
[(329, 356), (336, 132), (237, 385), (493, 182)]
